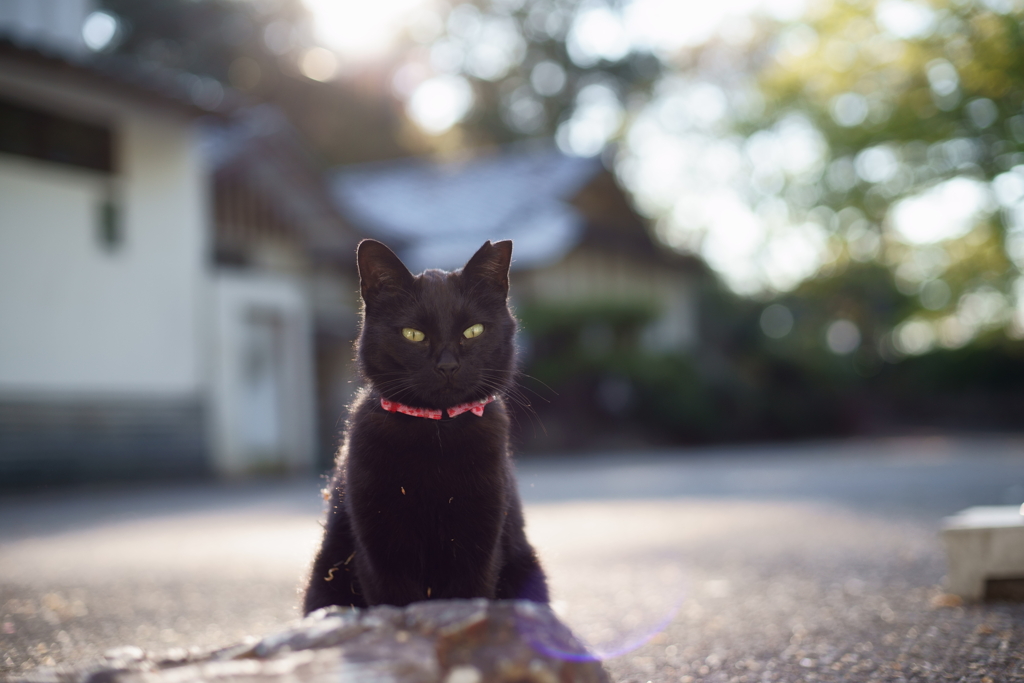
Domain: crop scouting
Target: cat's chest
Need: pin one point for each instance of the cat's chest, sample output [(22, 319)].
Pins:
[(416, 461), (430, 439)]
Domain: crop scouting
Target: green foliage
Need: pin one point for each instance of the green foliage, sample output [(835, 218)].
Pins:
[(548, 318), (864, 294), (581, 352), (994, 366), (515, 101), (944, 103), (741, 384), (576, 339)]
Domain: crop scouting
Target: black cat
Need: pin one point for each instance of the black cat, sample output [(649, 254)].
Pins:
[(423, 499)]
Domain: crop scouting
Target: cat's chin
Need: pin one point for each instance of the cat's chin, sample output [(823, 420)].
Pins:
[(447, 398), (450, 397), (438, 397)]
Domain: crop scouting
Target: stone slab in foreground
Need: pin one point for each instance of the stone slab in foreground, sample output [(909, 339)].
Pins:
[(463, 641), (985, 549)]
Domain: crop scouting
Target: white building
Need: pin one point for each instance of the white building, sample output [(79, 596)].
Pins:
[(128, 346)]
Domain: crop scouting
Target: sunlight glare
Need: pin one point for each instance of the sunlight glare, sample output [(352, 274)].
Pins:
[(598, 115), (597, 34), (99, 30), (360, 29), (946, 211), (666, 26), (440, 102), (319, 63), (905, 19)]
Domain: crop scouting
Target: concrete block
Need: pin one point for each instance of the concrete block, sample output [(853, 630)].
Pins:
[(983, 544)]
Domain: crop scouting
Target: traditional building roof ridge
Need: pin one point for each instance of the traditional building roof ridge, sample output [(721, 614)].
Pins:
[(519, 191), (435, 211), (196, 94)]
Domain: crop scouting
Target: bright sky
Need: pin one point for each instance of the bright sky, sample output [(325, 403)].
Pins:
[(360, 29)]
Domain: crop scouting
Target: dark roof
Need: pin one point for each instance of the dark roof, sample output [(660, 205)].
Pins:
[(128, 76), (437, 214), (260, 150)]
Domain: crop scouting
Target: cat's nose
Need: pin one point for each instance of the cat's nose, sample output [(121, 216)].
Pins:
[(447, 364)]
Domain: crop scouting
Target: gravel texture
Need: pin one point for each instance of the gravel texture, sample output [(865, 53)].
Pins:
[(819, 562)]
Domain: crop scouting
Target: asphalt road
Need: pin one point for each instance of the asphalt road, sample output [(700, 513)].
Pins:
[(817, 562)]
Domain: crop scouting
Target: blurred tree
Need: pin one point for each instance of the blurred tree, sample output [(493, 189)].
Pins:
[(531, 69), (207, 37), (258, 48), (919, 106), (524, 71), (877, 145), (885, 132)]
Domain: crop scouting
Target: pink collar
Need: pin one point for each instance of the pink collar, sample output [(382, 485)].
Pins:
[(475, 407)]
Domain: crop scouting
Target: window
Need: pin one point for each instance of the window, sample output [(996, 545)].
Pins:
[(108, 225), (40, 135)]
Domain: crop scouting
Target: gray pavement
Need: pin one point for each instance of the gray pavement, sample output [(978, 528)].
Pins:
[(780, 563)]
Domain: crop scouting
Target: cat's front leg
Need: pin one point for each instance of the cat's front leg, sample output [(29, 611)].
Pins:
[(471, 572), (469, 558), (332, 578), (388, 577)]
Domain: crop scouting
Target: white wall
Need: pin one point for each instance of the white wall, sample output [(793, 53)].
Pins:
[(263, 416), (144, 324), (78, 319)]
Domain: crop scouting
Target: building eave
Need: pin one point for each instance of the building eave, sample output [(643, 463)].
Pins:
[(124, 77)]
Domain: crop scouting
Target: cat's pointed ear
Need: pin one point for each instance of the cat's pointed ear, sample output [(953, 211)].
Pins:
[(380, 270), (490, 264)]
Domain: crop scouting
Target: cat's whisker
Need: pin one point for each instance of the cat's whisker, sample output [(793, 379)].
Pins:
[(518, 388), (511, 393), (515, 378), (519, 398), (534, 391)]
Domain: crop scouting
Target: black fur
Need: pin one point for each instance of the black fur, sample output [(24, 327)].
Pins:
[(424, 508)]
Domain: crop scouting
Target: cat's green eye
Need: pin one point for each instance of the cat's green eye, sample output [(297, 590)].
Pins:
[(474, 331), (413, 335)]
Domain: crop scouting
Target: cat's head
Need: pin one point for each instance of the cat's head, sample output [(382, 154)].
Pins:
[(436, 339)]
